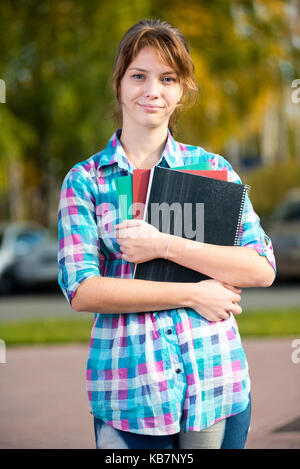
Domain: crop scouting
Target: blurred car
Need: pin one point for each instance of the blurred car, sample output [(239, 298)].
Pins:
[(28, 256), (283, 227)]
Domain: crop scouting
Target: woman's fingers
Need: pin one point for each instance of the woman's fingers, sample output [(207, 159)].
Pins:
[(126, 223), (225, 315), (136, 229), (232, 288), (237, 299), (215, 301), (236, 309)]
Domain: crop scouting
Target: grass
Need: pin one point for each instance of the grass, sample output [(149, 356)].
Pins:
[(271, 323), (46, 331)]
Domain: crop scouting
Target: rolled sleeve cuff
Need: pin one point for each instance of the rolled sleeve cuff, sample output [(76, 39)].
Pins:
[(266, 250), (69, 288)]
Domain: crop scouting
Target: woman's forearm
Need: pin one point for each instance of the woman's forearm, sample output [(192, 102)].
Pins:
[(113, 295), (236, 265)]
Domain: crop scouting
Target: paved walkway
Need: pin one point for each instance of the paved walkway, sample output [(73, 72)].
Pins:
[(43, 403)]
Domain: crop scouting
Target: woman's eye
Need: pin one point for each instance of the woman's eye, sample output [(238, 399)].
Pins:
[(140, 76), (169, 79)]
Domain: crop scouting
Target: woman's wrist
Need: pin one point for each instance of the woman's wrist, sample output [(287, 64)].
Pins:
[(190, 297), (163, 245)]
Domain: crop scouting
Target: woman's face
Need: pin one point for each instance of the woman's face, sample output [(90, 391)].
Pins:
[(149, 90)]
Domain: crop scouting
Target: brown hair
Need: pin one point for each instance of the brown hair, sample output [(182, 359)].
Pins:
[(172, 49)]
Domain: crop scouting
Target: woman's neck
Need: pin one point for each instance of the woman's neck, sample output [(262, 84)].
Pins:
[(143, 146)]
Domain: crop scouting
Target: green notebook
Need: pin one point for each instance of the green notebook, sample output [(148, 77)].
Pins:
[(124, 189), (203, 166)]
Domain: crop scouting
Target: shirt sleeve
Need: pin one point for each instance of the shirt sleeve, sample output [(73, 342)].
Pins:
[(78, 241), (251, 233)]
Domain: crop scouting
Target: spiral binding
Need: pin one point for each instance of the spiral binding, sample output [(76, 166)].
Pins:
[(246, 190)]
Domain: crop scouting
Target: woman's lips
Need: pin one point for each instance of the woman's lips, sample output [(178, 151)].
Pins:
[(150, 108)]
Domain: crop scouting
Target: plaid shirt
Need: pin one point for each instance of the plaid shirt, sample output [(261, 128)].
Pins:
[(149, 372)]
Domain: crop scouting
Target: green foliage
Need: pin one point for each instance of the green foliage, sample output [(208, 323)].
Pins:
[(269, 185)]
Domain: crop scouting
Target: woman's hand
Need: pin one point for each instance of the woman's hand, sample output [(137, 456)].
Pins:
[(215, 300), (139, 241)]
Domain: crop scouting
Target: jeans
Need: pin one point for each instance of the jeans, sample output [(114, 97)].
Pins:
[(229, 433)]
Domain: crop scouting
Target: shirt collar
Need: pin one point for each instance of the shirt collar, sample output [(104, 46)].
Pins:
[(114, 153)]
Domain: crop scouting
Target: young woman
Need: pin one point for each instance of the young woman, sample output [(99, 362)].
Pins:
[(166, 366)]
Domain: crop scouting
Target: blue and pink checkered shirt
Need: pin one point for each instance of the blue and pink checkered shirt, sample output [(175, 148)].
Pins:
[(149, 372)]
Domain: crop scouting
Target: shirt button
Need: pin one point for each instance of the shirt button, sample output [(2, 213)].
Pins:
[(169, 331), (178, 370)]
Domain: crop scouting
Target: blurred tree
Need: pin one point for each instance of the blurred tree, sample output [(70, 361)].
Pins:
[(57, 59), (57, 63), (238, 49), (15, 135)]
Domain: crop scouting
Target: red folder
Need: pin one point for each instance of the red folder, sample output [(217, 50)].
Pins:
[(141, 179)]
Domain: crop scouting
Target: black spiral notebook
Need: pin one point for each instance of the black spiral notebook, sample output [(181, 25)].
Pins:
[(194, 207)]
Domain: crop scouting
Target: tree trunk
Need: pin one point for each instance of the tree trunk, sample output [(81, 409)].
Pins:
[(15, 190)]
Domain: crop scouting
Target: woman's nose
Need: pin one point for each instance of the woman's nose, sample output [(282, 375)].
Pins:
[(152, 88)]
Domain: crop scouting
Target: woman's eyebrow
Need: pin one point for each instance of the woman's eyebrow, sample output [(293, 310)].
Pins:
[(144, 70)]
